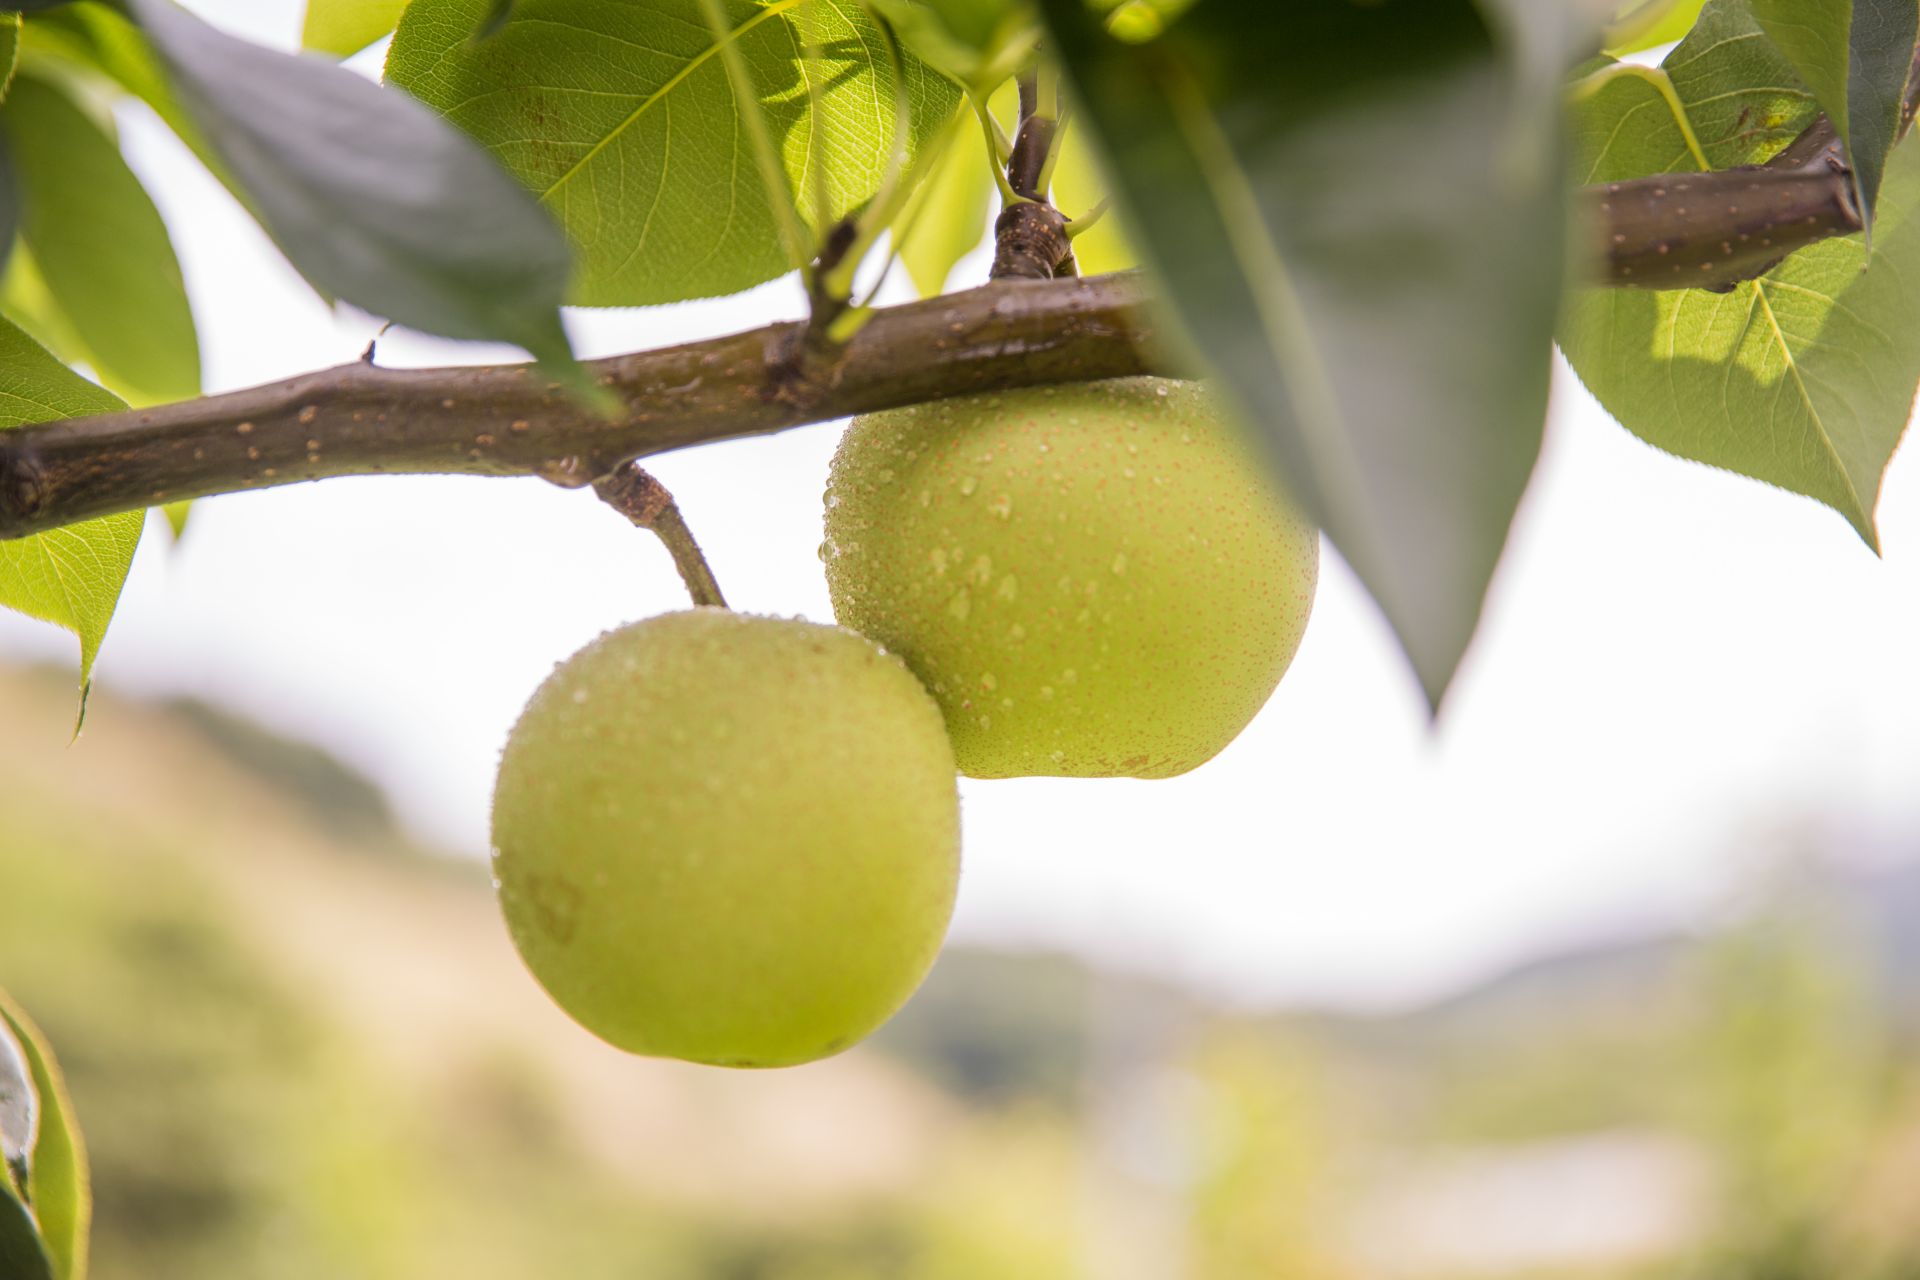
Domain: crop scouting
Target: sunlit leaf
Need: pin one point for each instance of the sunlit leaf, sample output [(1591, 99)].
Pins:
[(1080, 185), (57, 1183), (341, 27), (946, 218), (621, 119), (70, 577), (101, 248), (1647, 24), (1804, 378)]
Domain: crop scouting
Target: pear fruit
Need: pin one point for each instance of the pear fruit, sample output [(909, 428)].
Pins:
[(1093, 580), (728, 839)]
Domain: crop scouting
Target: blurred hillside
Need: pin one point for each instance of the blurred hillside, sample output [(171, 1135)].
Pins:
[(301, 1047)]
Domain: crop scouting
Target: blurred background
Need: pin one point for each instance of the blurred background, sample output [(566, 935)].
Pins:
[(1613, 971)]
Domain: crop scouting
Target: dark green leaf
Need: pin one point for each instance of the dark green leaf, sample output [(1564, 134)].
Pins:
[(1328, 193), (621, 118), (101, 248), (371, 196), (1855, 54), (57, 1187), (70, 577), (9, 50), (22, 1256), (1804, 378)]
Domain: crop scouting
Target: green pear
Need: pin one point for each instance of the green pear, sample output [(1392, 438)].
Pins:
[(1093, 580), (728, 839)]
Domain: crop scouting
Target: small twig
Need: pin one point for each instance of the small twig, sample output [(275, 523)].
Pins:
[(1030, 240), (634, 493), (1032, 142), (1085, 222)]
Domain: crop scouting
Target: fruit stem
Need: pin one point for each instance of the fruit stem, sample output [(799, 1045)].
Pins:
[(634, 493), (1029, 236)]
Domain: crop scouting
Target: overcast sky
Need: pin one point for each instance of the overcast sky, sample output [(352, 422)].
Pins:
[(1678, 668)]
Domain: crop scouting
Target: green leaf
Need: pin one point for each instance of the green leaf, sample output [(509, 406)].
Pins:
[(978, 43), (57, 1184), (1329, 195), (341, 27), (1804, 378), (101, 248), (95, 38), (1855, 54), (374, 199), (620, 117), (70, 577), (1725, 97), (1646, 24), (946, 217), (9, 50), (19, 1115), (1080, 183), (22, 1255)]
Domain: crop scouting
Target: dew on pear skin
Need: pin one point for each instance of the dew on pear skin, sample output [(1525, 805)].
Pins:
[(961, 605), (1002, 506), (926, 497), (1120, 562), (885, 475), (1008, 589), (580, 697), (983, 569), (967, 485), (986, 722), (1046, 693), (988, 682), (939, 561)]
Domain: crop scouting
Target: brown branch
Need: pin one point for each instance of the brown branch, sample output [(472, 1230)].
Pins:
[(1704, 230), (634, 493), (1715, 230), (505, 420)]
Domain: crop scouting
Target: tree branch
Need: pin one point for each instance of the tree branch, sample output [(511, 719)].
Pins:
[(506, 420), (633, 491), (1707, 230), (1715, 230)]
